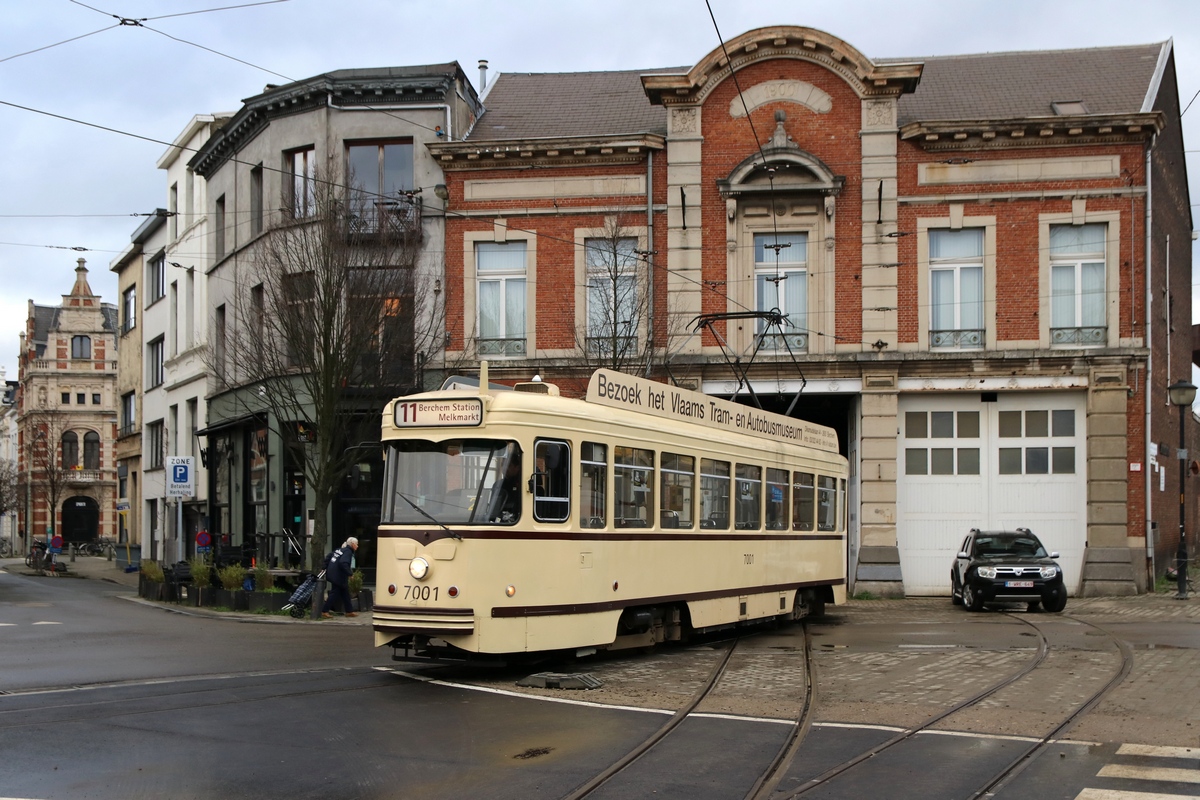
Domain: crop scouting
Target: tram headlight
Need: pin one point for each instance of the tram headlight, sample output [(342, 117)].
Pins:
[(510, 590), (418, 568)]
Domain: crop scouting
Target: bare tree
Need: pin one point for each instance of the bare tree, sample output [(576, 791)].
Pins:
[(329, 323), (48, 470), (10, 496), (620, 306)]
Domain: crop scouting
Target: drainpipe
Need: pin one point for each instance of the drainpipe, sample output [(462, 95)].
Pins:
[(1149, 361), (649, 259)]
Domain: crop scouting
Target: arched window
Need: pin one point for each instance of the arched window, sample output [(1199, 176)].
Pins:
[(91, 450), (70, 450)]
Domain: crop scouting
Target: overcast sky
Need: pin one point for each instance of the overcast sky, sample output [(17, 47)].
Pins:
[(66, 185)]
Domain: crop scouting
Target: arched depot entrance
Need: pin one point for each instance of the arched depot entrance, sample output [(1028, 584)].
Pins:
[(80, 519)]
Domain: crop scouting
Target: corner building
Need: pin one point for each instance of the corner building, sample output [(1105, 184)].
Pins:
[(972, 267)]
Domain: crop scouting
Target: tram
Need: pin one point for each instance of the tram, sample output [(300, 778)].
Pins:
[(518, 522)]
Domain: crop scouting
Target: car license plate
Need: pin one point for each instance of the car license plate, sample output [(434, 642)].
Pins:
[(1018, 584)]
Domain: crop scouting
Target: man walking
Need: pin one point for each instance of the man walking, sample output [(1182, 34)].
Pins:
[(338, 569)]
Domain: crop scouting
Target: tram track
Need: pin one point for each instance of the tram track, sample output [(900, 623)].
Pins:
[(768, 779), (1014, 767)]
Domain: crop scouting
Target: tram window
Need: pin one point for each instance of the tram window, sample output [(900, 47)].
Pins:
[(458, 481), (749, 497), (678, 490), (714, 494), (551, 481), (804, 505), (777, 499), (826, 503), (593, 485), (633, 487)]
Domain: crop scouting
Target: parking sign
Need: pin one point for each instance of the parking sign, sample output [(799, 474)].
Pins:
[(181, 476)]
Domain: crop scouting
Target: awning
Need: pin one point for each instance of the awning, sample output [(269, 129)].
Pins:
[(226, 424)]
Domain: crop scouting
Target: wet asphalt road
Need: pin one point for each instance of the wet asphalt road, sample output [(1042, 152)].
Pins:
[(149, 703)]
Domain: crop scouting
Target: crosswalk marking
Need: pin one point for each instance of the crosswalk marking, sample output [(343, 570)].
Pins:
[(1112, 794), (1150, 773), (1159, 752)]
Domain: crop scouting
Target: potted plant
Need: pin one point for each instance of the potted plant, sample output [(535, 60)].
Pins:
[(231, 594), (201, 593), (360, 596), (151, 580), (265, 598)]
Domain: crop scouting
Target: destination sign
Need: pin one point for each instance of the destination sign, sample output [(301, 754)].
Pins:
[(465, 412), (618, 390)]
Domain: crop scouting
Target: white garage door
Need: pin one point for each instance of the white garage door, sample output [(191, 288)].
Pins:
[(1015, 462)]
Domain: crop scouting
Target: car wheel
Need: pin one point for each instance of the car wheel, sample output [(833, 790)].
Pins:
[(971, 598), (955, 594), (1056, 604), (1032, 607)]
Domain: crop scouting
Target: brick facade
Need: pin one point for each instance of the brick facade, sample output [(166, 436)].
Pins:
[(806, 135)]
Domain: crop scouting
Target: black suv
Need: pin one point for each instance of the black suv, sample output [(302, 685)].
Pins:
[(1006, 567)]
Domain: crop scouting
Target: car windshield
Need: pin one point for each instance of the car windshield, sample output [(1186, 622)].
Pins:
[(994, 545)]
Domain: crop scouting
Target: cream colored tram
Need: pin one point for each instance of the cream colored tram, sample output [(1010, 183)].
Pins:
[(523, 522)]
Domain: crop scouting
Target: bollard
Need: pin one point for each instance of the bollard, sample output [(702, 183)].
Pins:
[(318, 598), (73, 553)]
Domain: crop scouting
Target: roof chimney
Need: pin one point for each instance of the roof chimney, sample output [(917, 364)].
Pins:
[(482, 74)]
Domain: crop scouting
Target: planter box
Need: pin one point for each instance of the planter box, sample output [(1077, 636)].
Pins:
[(151, 590), (366, 600), (267, 601), (200, 596)]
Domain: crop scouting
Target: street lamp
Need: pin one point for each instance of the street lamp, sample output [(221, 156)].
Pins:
[(1182, 393)]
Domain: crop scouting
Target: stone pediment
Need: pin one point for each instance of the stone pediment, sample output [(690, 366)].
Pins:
[(780, 166)]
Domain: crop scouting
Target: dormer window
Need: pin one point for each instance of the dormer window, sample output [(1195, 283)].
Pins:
[(1069, 108)]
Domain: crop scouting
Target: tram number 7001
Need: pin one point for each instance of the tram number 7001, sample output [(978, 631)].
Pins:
[(420, 593)]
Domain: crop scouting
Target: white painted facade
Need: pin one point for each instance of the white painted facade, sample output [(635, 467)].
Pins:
[(178, 318)]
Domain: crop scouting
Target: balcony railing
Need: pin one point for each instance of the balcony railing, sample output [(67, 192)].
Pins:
[(785, 342), (83, 475), (396, 217), (956, 339), (1091, 336), (511, 348)]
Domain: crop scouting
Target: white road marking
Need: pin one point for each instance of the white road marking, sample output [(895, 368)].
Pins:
[(1150, 773), (47, 623), (1158, 752), (706, 715), (1112, 794)]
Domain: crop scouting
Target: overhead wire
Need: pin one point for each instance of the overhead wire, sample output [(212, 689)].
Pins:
[(138, 23)]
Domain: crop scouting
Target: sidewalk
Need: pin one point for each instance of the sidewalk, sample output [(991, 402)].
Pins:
[(97, 568)]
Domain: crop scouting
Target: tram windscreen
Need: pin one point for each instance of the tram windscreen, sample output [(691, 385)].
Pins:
[(461, 482)]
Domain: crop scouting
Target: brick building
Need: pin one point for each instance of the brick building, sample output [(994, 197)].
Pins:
[(973, 267), (67, 416)]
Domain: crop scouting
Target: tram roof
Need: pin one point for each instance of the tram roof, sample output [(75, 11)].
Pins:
[(613, 396)]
